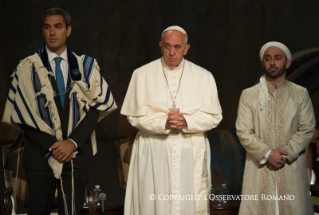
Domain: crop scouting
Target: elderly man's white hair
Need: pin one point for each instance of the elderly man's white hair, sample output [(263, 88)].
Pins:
[(277, 45), (175, 28)]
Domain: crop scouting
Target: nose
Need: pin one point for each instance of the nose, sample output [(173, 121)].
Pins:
[(172, 51), (52, 32), (272, 61)]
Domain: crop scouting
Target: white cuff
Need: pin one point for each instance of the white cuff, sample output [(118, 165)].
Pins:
[(265, 158), (189, 122), (76, 145), (51, 146), (166, 130)]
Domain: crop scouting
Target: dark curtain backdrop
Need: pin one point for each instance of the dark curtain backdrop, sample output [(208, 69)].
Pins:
[(225, 38)]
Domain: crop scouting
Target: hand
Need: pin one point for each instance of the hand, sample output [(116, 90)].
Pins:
[(69, 158), (175, 120), (63, 150), (276, 160)]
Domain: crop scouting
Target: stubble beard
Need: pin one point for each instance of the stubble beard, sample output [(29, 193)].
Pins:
[(274, 74)]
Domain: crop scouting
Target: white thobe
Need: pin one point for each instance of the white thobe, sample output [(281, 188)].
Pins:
[(173, 165), (286, 123)]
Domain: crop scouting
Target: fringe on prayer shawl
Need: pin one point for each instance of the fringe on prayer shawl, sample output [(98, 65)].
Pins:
[(31, 101)]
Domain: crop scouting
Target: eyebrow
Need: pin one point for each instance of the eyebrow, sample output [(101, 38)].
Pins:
[(276, 55), (55, 24)]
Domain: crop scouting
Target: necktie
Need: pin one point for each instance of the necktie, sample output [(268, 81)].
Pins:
[(59, 79)]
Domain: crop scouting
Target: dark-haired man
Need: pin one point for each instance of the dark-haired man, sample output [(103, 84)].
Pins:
[(275, 124), (56, 99)]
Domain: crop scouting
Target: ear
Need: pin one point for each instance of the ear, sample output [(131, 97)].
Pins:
[(187, 46), (68, 31), (160, 44), (288, 64)]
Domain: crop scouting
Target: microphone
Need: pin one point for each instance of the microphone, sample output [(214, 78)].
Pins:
[(102, 197)]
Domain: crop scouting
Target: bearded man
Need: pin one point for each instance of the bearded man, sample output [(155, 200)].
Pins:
[(275, 125)]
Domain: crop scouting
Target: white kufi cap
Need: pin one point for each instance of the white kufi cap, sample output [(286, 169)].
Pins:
[(275, 44)]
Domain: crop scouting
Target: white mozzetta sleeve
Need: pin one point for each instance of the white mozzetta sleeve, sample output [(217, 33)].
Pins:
[(152, 123), (199, 122), (209, 115)]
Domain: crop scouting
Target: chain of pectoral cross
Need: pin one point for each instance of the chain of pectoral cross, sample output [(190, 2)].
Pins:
[(174, 108)]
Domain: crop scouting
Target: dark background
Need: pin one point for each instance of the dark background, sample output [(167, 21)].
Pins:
[(225, 38)]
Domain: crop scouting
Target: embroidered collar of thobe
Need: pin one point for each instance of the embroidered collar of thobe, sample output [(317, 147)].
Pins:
[(264, 91), (273, 91)]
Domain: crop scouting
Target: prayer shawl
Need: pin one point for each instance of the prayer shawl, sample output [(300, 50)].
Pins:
[(31, 97)]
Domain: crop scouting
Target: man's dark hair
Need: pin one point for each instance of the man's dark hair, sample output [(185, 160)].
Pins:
[(58, 11)]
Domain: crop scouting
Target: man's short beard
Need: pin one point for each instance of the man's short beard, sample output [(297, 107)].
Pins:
[(276, 74)]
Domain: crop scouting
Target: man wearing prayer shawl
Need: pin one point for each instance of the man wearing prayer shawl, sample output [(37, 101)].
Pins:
[(56, 99), (275, 124), (172, 102)]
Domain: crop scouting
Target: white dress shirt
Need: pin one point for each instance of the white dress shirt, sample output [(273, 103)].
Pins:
[(64, 64), (65, 70)]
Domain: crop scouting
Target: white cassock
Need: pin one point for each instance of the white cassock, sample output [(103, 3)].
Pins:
[(173, 165)]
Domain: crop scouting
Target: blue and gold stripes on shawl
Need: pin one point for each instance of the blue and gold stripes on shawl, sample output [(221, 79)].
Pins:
[(41, 100), (87, 68), (102, 102), (31, 102), (17, 98), (103, 99), (31, 97)]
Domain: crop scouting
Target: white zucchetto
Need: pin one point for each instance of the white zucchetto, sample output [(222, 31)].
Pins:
[(175, 28)]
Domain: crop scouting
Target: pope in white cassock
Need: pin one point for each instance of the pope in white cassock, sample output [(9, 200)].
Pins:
[(172, 102)]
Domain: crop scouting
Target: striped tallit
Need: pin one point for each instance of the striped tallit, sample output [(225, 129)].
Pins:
[(31, 98)]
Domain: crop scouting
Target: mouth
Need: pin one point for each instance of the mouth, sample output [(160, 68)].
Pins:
[(273, 69), (52, 40)]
